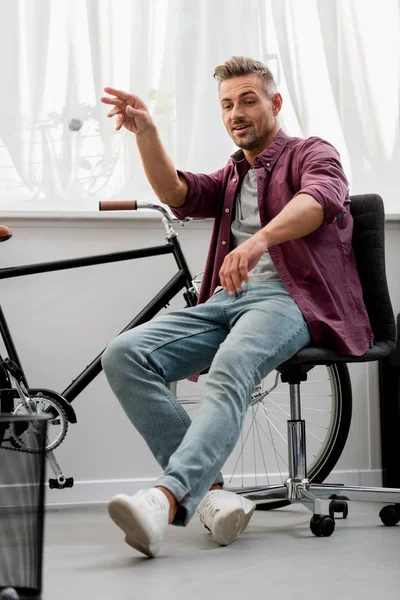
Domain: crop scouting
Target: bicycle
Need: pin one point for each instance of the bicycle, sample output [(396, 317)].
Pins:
[(327, 410)]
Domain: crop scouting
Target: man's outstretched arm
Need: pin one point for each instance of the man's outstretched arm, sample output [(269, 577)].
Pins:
[(160, 170), (132, 113)]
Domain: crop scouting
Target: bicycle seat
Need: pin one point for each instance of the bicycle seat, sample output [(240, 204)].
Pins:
[(5, 233)]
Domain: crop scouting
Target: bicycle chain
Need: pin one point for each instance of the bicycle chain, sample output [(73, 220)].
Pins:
[(12, 449)]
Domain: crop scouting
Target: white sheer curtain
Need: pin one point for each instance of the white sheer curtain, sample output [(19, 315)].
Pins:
[(341, 74), (337, 65)]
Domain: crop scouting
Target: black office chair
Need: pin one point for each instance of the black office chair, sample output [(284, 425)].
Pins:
[(368, 243)]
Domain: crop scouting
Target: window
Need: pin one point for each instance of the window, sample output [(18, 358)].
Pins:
[(336, 64)]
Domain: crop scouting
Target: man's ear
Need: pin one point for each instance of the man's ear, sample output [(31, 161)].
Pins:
[(277, 102)]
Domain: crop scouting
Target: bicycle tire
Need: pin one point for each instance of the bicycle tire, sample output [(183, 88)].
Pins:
[(342, 398)]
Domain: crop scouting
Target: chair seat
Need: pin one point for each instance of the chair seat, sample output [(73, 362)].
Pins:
[(315, 355)]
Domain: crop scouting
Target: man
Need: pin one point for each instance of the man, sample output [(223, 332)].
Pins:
[(280, 273)]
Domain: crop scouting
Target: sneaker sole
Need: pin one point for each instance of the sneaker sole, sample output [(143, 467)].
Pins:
[(129, 519), (228, 527)]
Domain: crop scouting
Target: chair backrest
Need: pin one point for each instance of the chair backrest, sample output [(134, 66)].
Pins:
[(369, 249)]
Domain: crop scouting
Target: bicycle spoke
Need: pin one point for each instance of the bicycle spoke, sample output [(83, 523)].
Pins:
[(242, 450), (262, 453), (254, 455), (276, 453)]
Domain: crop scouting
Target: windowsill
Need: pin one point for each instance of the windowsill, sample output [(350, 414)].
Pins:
[(127, 218), (392, 217), (81, 214), (141, 215)]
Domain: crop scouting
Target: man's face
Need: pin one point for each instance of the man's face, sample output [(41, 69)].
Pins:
[(248, 113)]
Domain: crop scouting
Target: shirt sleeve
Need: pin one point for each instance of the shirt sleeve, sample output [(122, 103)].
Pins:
[(322, 177), (204, 195)]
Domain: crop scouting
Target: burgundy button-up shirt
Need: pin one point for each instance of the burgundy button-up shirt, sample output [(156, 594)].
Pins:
[(319, 270)]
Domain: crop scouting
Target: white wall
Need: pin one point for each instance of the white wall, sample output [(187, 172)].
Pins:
[(61, 321)]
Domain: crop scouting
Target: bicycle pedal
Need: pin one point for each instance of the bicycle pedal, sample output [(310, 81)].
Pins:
[(56, 484)]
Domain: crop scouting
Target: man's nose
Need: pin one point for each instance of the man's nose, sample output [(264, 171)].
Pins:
[(237, 113)]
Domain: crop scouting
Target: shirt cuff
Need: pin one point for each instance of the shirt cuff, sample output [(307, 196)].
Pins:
[(333, 209)]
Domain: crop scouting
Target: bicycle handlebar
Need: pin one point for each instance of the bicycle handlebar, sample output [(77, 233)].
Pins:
[(118, 205), (136, 205)]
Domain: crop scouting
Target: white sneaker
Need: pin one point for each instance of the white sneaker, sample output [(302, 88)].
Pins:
[(142, 517), (225, 514)]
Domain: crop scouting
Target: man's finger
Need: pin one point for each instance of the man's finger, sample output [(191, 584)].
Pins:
[(119, 93), (244, 268), (114, 101), (224, 271), (222, 278), (114, 111), (229, 285), (120, 122), (235, 274)]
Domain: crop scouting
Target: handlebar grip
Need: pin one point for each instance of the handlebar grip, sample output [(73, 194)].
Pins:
[(117, 205)]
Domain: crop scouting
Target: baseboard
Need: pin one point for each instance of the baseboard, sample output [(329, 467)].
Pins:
[(90, 492), (97, 491), (365, 478)]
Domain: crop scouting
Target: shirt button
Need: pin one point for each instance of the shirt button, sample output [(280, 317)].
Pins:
[(223, 242), (234, 180), (227, 210), (268, 165)]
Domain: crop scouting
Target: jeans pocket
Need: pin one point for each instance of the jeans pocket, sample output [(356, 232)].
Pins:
[(217, 290)]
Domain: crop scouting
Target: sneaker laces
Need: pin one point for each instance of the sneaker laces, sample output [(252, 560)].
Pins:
[(207, 510)]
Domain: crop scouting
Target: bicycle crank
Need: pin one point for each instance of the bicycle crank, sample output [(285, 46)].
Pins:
[(23, 433)]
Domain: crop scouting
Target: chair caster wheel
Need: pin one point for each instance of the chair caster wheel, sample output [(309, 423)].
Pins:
[(390, 514), (338, 506), (322, 525)]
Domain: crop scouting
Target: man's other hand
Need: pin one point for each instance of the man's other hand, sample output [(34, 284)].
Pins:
[(237, 264)]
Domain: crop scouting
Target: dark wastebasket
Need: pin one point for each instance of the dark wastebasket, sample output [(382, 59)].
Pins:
[(22, 477)]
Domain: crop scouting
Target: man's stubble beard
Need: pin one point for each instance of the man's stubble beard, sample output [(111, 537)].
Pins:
[(253, 142), (250, 144)]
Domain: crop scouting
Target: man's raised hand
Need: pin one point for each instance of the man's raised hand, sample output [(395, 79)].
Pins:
[(130, 110)]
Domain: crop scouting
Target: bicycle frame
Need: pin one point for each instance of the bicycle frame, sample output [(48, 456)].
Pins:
[(181, 280)]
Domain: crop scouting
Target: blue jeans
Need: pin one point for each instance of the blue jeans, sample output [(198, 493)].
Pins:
[(240, 339)]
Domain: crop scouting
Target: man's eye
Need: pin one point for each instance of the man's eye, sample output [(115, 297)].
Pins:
[(249, 101), (227, 106)]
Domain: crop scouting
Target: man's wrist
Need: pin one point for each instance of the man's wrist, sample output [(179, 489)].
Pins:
[(265, 237), (149, 132)]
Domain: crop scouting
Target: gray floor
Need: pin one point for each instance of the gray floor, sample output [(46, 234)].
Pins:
[(276, 557)]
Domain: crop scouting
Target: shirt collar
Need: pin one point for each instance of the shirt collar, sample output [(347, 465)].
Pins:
[(270, 155)]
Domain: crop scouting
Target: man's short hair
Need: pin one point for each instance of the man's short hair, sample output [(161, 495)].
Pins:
[(237, 66)]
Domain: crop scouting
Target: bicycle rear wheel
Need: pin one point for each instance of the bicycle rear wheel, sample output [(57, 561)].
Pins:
[(260, 457)]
